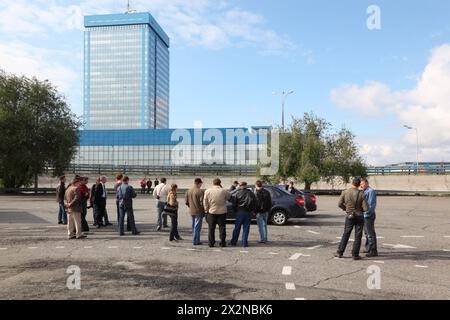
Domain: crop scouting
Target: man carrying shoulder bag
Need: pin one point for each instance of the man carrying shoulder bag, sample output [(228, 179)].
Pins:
[(353, 202)]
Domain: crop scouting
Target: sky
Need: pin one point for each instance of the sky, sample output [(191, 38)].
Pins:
[(227, 57)]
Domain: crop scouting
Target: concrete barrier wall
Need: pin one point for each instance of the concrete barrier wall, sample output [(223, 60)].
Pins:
[(397, 183)]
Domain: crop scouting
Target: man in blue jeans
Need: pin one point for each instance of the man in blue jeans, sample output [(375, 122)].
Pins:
[(194, 200), (263, 207), (244, 204), (125, 195), (369, 219), (60, 192)]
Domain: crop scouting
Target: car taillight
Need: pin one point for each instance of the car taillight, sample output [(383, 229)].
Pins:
[(300, 201), (313, 198)]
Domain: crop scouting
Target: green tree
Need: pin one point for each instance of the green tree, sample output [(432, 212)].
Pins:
[(38, 130), (311, 151)]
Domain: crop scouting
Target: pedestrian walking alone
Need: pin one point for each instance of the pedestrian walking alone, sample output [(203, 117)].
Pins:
[(194, 201), (353, 202), (263, 209), (244, 204), (171, 209), (149, 186), (215, 204), (143, 184), (60, 192)]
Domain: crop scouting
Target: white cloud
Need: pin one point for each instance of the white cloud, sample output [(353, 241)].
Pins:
[(213, 24), (23, 59), (427, 107)]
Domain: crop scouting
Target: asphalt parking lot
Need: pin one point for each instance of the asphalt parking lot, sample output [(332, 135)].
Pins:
[(298, 263)]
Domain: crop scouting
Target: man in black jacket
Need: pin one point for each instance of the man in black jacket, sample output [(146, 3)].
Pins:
[(263, 208), (60, 191), (244, 203), (100, 201)]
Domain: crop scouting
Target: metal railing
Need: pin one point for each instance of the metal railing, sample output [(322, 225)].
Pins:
[(437, 169)]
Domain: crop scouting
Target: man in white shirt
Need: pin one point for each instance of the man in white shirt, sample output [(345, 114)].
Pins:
[(160, 193)]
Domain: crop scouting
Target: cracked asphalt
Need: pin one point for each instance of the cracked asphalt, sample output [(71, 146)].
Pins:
[(414, 261)]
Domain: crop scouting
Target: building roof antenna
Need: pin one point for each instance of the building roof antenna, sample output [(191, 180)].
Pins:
[(129, 10)]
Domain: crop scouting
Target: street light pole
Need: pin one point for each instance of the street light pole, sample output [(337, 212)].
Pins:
[(417, 145), (284, 95)]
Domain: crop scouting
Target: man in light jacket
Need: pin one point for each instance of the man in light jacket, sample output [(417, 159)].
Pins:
[(73, 203), (215, 204), (194, 200), (160, 193)]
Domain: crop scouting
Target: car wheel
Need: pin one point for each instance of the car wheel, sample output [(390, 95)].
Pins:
[(279, 218)]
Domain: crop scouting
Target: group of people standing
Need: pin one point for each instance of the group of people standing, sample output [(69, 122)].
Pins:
[(359, 203), (211, 204), (146, 185)]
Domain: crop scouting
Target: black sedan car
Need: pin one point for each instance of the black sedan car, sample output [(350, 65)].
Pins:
[(285, 206), (310, 199)]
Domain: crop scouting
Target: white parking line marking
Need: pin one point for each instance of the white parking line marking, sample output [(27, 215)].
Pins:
[(273, 253), (165, 248), (380, 237), (3, 248), (295, 256), (32, 247), (381, 262), (24, 228), (315, 247), (113, 247), (446, 236), (412, 236), (287, 271), (88, 247), (298, 255), (243, 251), (137, 247), (300, 299), (191, 249), (59, 247), (313, 232), (297, 227), (419, 266), (52, 226), (290, 286), (351, 240), (217, 250), (398, 246), (446, 250)]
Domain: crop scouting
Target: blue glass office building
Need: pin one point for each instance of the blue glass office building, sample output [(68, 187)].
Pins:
[(126, 104), (126, 72)]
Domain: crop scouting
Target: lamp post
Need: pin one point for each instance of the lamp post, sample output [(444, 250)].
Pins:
[(417, 145), (283, 95)]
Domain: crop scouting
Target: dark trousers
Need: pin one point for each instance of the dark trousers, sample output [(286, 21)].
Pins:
[(100, 213), (213, 220), (243, 219), (84, 224), (371, 236), (358, 223), (130, 220), (174, 227)]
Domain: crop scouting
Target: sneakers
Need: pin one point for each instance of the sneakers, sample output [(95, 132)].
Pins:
[(372, 254), (158, 228), (338, 255), (357, 258), (223, 245)]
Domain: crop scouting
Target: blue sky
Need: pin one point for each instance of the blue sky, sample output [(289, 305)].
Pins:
[(227, 57)]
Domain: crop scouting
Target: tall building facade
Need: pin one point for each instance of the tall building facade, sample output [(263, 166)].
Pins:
[(126, 72)]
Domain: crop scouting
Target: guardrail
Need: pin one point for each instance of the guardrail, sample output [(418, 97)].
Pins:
[(409, 170), (164, 170)]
